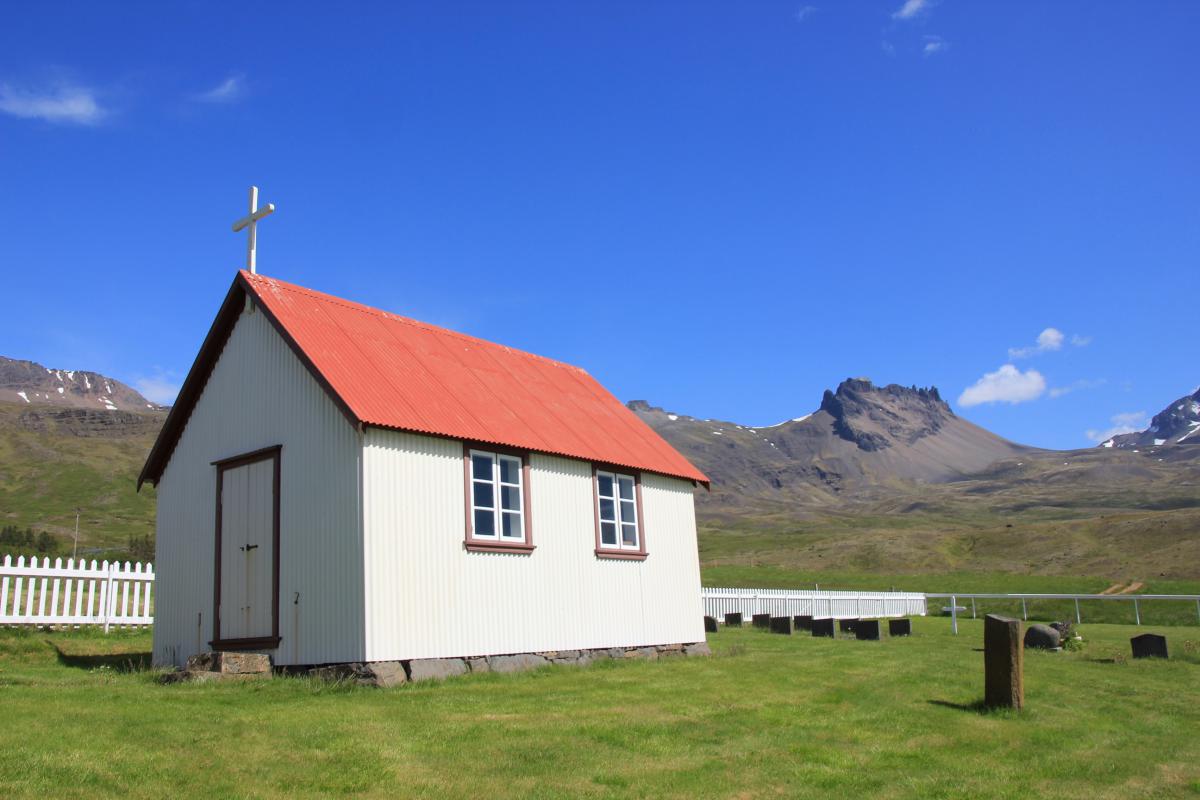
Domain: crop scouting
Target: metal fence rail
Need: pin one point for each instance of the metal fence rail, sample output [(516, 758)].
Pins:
[(1024, 598), (791, 602)]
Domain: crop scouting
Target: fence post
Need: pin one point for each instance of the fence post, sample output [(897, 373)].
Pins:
[(1198, 610), (1137, 614), (1024, 610), (973, 614), (954, 614), (109, 595), (1078, 619)]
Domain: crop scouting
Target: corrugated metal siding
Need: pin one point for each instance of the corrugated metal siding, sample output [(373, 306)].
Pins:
[(260, 395), (426, 597)]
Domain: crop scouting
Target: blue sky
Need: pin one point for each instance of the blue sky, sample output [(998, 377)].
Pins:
[(722, 208)]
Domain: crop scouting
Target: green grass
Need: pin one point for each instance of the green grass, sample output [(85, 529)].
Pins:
[(766, 716)]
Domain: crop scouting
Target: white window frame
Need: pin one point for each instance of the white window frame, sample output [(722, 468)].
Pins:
[(618, 511), (497, 509)]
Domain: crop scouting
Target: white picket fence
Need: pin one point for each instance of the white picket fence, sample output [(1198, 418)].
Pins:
[(75, 594), (794, 602)]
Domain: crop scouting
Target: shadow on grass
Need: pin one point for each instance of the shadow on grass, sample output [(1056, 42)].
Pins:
[(977, 707), (117, 662)]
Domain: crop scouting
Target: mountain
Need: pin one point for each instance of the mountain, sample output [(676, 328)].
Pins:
[(1178, 423), (29, 382), (890, 480), (74, 439), (861, 441)]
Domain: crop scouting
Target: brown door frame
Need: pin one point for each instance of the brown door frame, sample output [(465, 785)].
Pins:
[(257, 642)]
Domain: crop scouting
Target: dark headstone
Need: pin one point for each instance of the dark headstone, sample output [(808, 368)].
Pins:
[(1041, 637), (710, 624), (867, 630), (761, 620), (823, 626), (900, 627), (803, 622), (847, 625), (781, 625), (733, 620), (1149, 645), (1003, 663)]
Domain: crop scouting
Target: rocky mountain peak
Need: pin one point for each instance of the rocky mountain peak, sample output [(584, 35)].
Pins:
[(1178, 423), (876, 417), (30, 383)]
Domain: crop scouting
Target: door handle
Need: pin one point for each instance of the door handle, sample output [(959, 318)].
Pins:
[(248, 547)]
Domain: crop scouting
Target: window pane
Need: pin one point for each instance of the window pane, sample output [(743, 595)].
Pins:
[(605, 482), (629, 535), (512, 526), (510, 498), (481, 467), (607, 509), (485, 523), (608, 534), (626, 488), (627, 512), (483, 495), (510, 470)]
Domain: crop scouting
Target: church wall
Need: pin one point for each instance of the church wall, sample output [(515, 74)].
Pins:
[(427, 597), (260, 395)]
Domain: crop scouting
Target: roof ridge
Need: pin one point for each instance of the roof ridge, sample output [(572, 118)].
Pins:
[(255, 279)]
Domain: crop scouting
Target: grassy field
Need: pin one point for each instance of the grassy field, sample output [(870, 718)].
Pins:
[(767, 716)]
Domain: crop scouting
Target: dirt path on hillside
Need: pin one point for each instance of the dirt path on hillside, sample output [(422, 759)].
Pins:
[(1131, 588), (1116, 587)]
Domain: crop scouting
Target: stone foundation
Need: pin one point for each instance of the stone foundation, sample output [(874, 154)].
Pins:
[(393, 673)]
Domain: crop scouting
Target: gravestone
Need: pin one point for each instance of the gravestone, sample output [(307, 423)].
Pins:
[(1149, 645), (867, 630), (710, 624), (761, 620), (733, 619), (781, 625), (823, 627), (1003, 663), (900, 627), (1042, 637), (803, 622), (847, 625)]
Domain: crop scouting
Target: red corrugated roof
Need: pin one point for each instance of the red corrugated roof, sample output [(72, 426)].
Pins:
[(393, 372)]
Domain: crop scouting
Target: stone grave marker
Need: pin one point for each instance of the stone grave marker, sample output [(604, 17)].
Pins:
[(1149, 645), (867, 630), (710, 624), (781, 625), (900, 627), (761, 620), (823, 626), (1003, 663), (733, 619)]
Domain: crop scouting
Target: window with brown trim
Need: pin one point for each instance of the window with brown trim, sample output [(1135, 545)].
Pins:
[(618, 501), (497, 506)]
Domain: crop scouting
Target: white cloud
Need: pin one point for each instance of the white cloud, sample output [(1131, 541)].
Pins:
[(1059, 391), (1080, 341), (1127, 422), (227, 91), (1047, 341), (62, 104), (804, 12), (934, 45), (160, 389), (912, 9), (1006, 385)]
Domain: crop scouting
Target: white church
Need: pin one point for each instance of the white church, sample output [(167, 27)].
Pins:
[(339, 484)]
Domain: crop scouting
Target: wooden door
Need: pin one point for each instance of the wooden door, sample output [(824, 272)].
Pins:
[(247, 574)]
